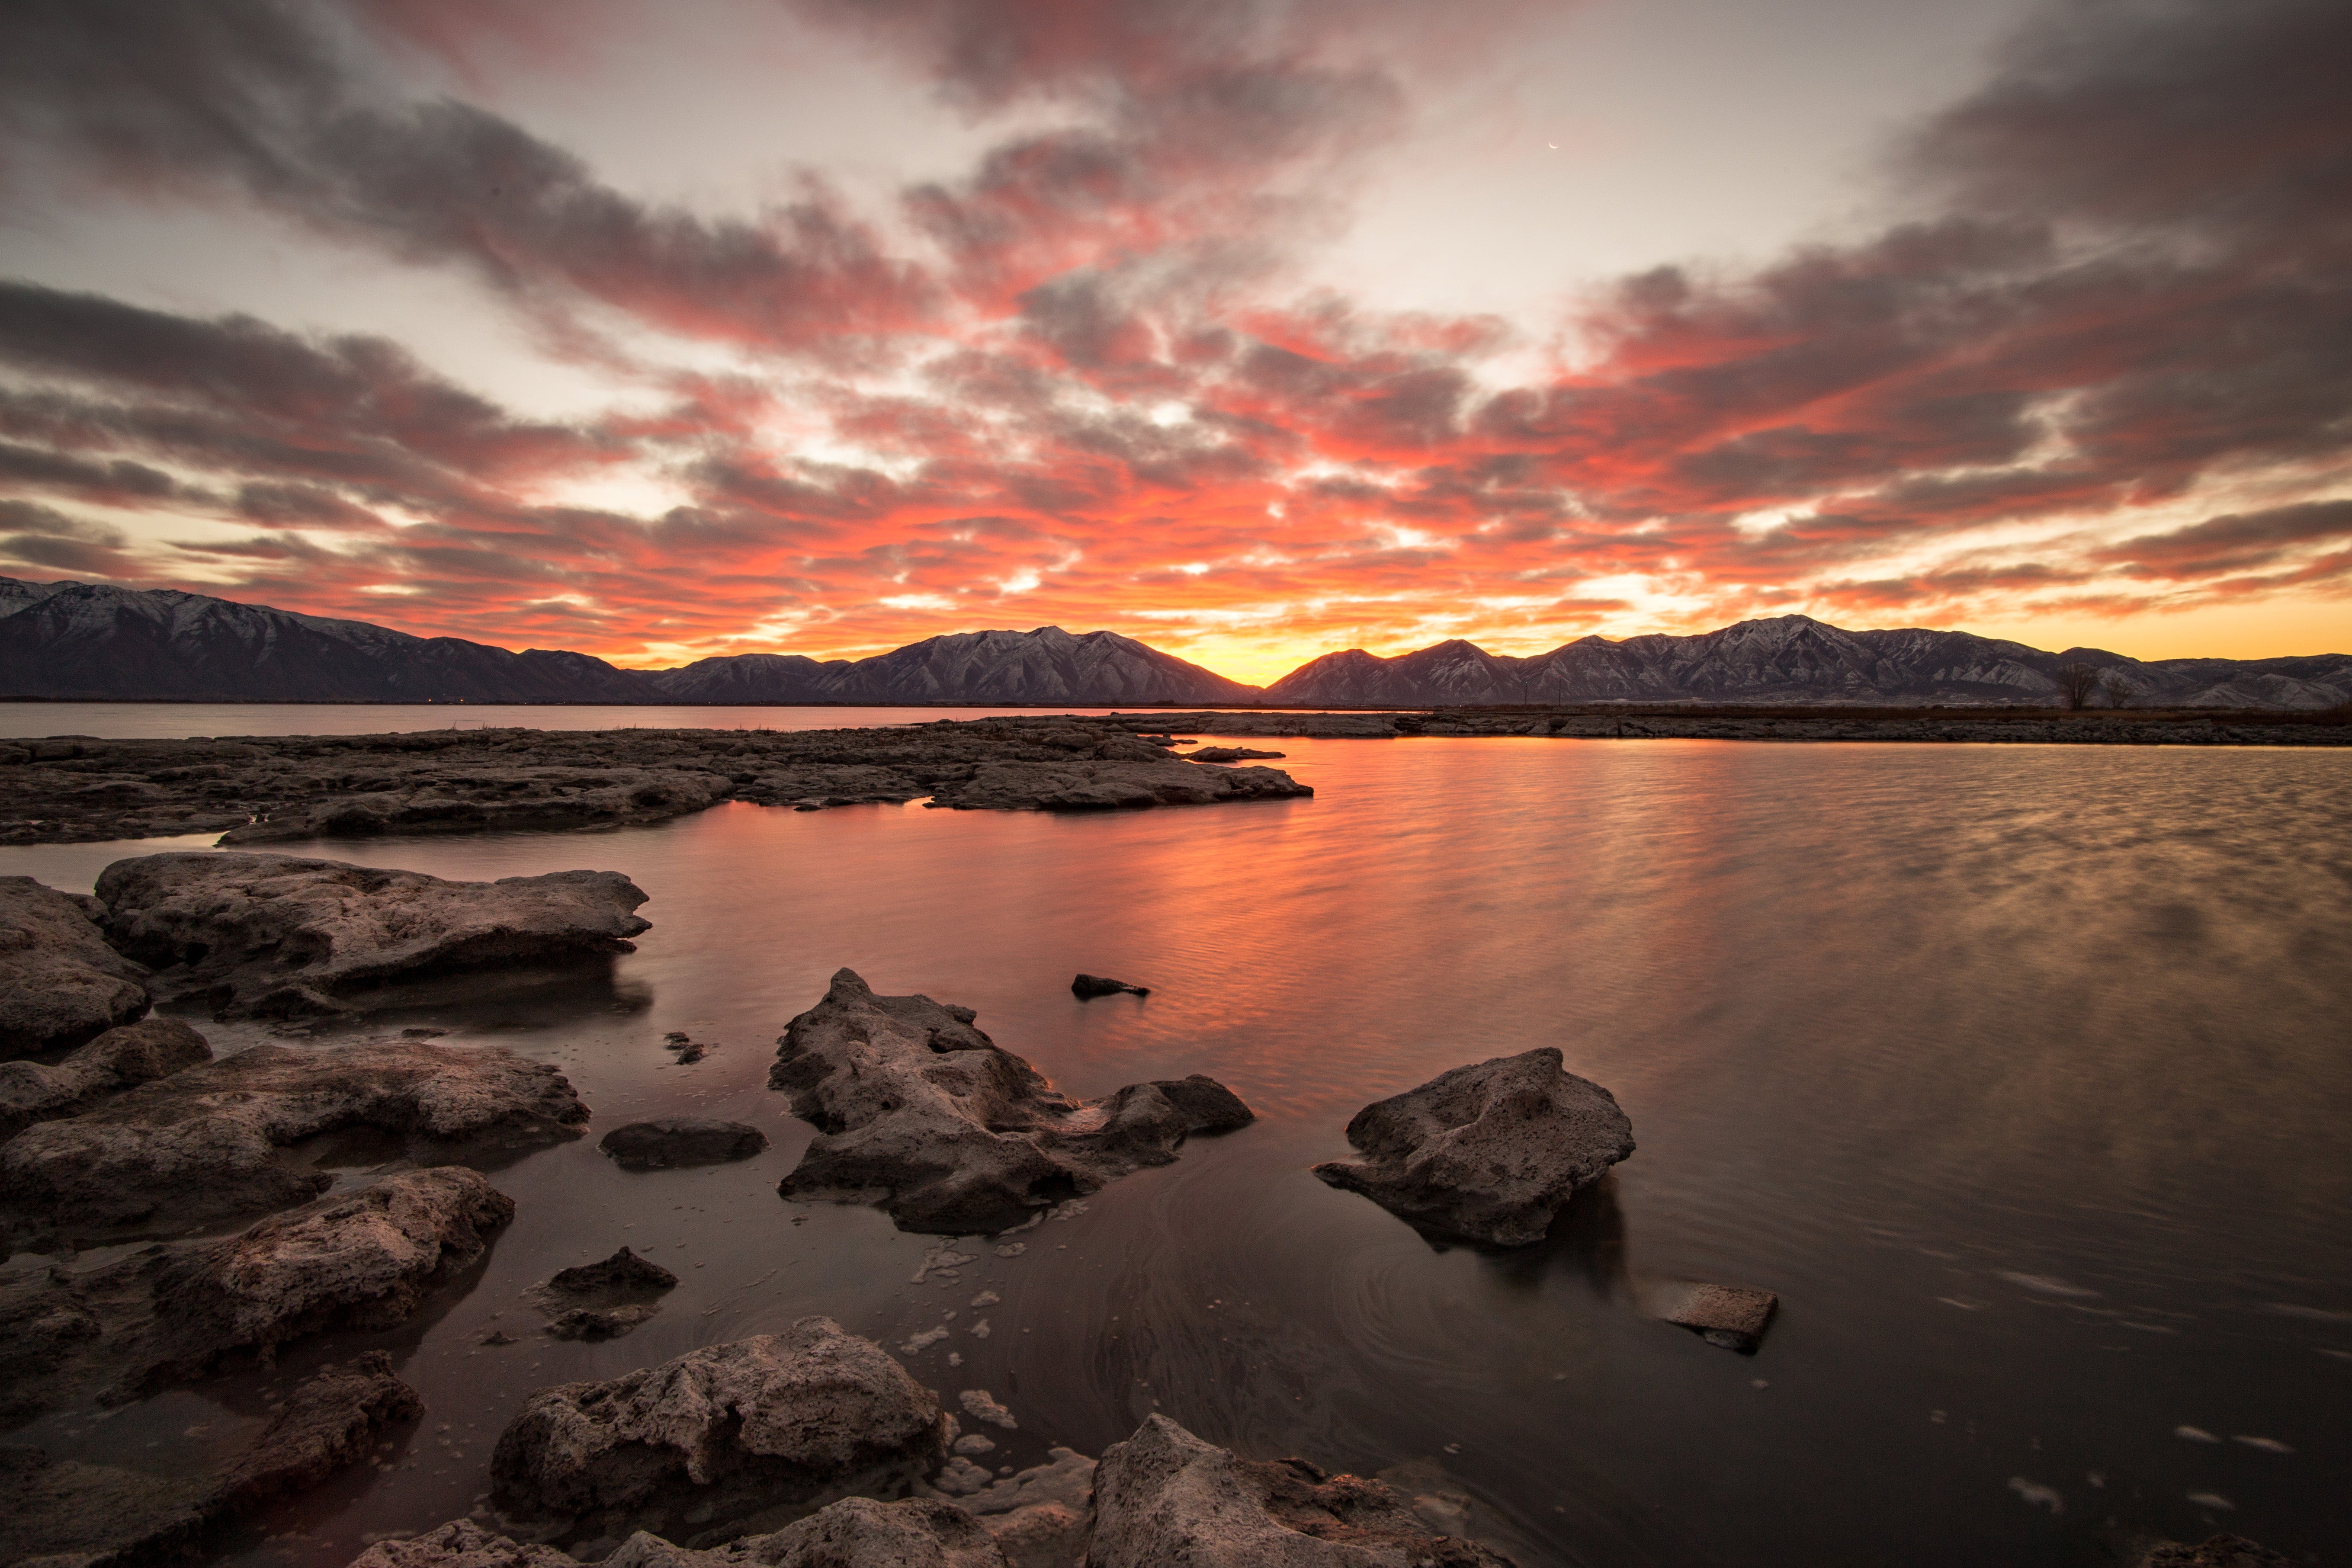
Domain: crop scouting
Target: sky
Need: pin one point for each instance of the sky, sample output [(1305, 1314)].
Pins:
[(1254, 329)]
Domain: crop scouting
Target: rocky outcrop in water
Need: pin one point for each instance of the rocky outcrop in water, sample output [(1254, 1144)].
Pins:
[(751, 1423), (681, 1141), (60, 984), (1111, 786), (606, 1300), (367, 1260), (118, 1059), (462, 1543), (856, 1532), (61, 1512), (278, 936), (1166, 1497), (923, 1113), (1489, 1151), (1231, 754), (1985, 725), (1730, 1316), (202, 1144), (1086, 987)]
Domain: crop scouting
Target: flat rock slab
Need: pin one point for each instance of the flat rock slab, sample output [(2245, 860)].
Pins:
[(758, 1421), (1085, 988), (681, 1141), (602, 1301), (366, 1259), (921, 1113), (1232, 754), (202, 1144), (279, 937), (118, 1059), (1488, 1153), (1166, 1497), (1112, 786), (1042, 1517), (60, 984), (1730, 1316)]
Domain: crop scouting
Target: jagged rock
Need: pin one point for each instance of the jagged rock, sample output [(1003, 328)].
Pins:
[(681, 1141), (1085, 988), (770, 1416), (1725, 1315), (359, 1260), (922, 1112), (278, 936), (2218, 1551), (624, 1271), (1111, 785), (1042, 1517), (60, 984), (1232, 754), (856, 1532), (1165, 1498), (66, 1511), (462, 1543), (1489, 1151), (202, 1144), (118, 1059)]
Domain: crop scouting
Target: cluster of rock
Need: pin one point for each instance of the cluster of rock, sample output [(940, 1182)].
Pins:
[(279, 789), (919, 1111)]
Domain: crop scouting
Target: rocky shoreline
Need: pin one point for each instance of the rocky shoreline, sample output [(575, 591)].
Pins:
[(1985, 726)]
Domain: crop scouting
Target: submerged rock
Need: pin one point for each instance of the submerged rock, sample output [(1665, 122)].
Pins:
[(1042, 1517), (202, 1144), (766, 1418), (462, 1543), (594, 1323), (1727, 1315), (681, 1141), (118, 1059), (281, 937), (1085, 988), (602, 1301), (1489, 1151), (1087, 785), (1166, 1497), (60, 984), (361, 1260), (923, 1113), (1231, 754), (624, 1271)]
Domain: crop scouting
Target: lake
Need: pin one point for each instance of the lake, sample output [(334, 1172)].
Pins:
[(2022, 1074)]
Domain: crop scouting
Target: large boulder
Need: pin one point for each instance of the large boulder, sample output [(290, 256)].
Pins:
[(1166, 1498), (365, 1259), (278, 936), (951, 1133), (60, 984), (1489, 1151), (118, 1059), (770, 1417), (202, 1144)]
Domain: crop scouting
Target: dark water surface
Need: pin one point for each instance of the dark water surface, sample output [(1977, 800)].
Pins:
[(2022, 1074)]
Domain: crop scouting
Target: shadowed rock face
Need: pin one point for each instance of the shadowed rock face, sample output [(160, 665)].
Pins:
[(362, 1260), (202, 1144), (279, 936), (923, 1113), (118, 1059), (1489, 1153), (777, 1416), (60, 985), (1165, 1498)]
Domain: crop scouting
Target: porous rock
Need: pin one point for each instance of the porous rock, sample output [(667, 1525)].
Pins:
[(2217, 1552), (1085, 988), (922, 1112), (604, 1299), (278, 936), (118, 1059), (1489, 1151), (365, 1259), (775, 1415), (330, 1421), (1042, 1517), (1166, 1498), (1088, 785), (60, 984), (681, 1141), (202, 1143), (856, 1532), (1730, 1316), (462, 1543)]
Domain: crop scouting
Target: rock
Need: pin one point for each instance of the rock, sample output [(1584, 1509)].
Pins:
[(1489, 1151), (67, 1511), (1111, 785), (681, 1141), (1725, 1315), (599, 1322), (856, 1532), (280, 937), (766, 1419), (920, 1111), (461, 1543), (202, 1144), (60, 984), (1085, 988), (1231, 754), (118, 1059), (2218, 1551), (624, 1271), (1165, 1498), (981, 1405), (1042, 1517), (366, 1259)]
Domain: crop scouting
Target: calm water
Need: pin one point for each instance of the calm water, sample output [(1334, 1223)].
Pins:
[(2021, 1074), (182, 720)]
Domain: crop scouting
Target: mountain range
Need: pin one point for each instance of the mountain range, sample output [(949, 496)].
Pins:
[(94, 641)]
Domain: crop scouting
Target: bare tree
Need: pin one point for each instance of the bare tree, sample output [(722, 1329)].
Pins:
[(2077, 682), (2113, 689)]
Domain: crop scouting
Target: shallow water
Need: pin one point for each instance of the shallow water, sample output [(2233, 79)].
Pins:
[(2020, 1073), (187, 721)]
